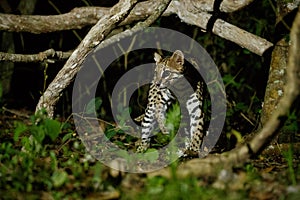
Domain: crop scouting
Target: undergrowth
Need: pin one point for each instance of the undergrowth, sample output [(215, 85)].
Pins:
[(45, 157)]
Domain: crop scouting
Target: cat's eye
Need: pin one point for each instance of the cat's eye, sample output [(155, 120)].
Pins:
[(165, 74)]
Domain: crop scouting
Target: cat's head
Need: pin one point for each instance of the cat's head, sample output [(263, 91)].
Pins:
[(168, 69)]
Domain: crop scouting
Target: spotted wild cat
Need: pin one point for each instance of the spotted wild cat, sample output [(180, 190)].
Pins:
[(170, 72)]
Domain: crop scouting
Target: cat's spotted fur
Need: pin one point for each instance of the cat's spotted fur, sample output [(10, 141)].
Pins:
[(169, 72)]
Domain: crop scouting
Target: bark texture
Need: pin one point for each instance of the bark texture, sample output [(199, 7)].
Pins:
[(191, 12)]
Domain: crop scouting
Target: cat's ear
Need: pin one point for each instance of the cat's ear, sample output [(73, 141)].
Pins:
[(178, 57), (157, 57)]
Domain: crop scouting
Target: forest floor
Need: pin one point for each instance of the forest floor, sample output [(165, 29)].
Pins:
[(55, 165)]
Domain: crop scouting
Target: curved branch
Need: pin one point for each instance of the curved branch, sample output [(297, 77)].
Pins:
[(139, 26), (48, 55), (94, 37), (211, 165)]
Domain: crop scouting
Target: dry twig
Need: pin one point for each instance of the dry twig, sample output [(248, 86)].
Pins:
[(49, 55)]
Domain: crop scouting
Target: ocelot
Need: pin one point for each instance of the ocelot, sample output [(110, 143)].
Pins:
[(171, 74)]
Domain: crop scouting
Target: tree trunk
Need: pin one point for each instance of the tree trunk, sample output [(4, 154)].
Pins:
[(7, 45)]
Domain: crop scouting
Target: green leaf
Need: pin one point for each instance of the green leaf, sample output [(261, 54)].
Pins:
[(53, 160), (151, 155), (110, 133), (124, 154), (67, 137), (26, 143), (93, 105), (20, 128), (59, 178), (52, 128), (38, 133)]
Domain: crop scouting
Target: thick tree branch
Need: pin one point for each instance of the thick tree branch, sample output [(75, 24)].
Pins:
[(85, 16), (49, 55), (94, 37), (189, 11), (225, 30), (75, 19), (80, 17), (211, 165), (159, 9), (233, 5)]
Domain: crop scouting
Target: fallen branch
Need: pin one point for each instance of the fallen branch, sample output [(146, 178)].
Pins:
[(211, 165), (49, 55)]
